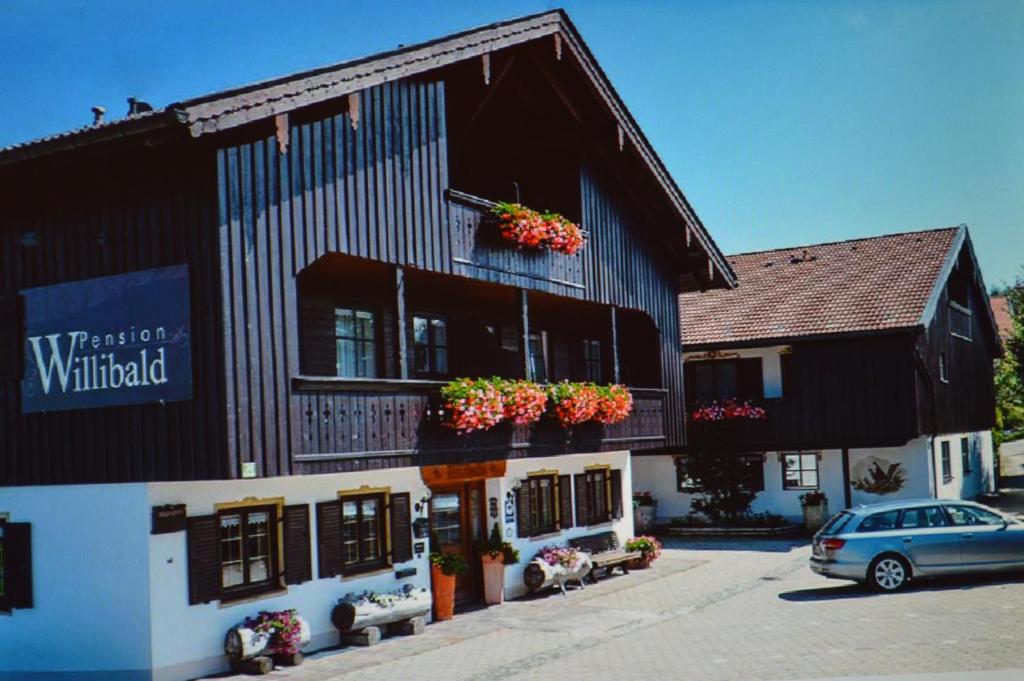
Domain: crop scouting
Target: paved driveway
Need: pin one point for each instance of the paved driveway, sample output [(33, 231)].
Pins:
[(715, 610)]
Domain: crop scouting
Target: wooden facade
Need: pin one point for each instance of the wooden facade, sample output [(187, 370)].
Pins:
[(350, 196)]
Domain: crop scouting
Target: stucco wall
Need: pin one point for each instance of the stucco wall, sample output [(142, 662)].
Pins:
[(90, 583), (966, 484)]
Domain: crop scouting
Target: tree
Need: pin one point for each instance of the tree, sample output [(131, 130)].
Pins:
[(1009, 369)]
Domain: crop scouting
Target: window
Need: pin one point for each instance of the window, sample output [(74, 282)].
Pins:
[(972, 515), (430, 343), (880, 522), (538, 357), (965, 455), (248, 550), (800, 471), (15, 565), (919, 518), (598, 509), (749, 472), (362, 533), (947, 467), (712, 380), (592, 360), (356, 342), (943, 369), (542, 515)]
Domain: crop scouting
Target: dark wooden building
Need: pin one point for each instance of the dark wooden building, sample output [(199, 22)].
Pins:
[(329, 236), (863, 352)]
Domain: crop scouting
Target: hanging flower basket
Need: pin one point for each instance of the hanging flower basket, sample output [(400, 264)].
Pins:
[(574, 402), (728, 410), (525, 402), (473, 404), (614, 404), (528, 228)]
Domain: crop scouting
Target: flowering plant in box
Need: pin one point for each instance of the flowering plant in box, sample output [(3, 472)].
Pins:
[(727, 411), (473, 404), (524, 401), (567, 557), (649, 547), (530, 229), (283, 627), (614, 404), (574, 402)]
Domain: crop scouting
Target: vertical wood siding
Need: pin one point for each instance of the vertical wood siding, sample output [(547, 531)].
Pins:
[(97, 217)]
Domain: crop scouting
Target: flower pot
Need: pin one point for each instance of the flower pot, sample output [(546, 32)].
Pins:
[(640, 563), (816, 516), (643, 518), (494, 580), (442, 587)]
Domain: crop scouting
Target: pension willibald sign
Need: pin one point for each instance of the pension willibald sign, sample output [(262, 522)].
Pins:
[(108, 341)]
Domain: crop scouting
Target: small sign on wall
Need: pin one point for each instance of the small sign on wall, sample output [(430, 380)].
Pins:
[(168, 519)]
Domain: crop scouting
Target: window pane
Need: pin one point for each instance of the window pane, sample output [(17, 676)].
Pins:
[(810, 479), (792, 462), (438, 327), (344, 323), (441, 360), (879, 522), (446, 518), (537, 361), (422, 359), (367, 358), (232, 571), (349, 532), (364, 325), (545, 506), (809, 462), (420, 330), (792, 478), (346, 363), (258, 545), (704, 382), (370, 530)]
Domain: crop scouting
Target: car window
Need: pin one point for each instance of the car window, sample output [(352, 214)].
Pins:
[(969, 515), (879, 522), (917, 518), (837, 523)]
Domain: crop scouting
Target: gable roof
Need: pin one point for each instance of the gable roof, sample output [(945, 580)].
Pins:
[(848, 287), (235, 107)]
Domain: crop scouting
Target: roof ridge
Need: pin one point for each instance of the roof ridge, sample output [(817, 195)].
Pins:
[(847, 241)]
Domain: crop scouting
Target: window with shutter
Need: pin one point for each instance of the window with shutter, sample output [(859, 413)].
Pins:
[(298, 566), (542, 509), (203, 560), (15, 566), (401, 528), (328, 538), (565, 519), (582, 505)]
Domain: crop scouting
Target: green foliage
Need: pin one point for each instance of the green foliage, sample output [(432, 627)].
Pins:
[(495, 546), (718, 471), (1009, 370)]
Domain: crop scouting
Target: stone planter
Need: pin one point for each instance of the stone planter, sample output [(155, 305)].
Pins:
[(640, 563), (816, 516), (442, 588), (644, 517), (494, 580)]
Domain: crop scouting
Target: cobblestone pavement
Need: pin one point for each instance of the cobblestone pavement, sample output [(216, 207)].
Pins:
[(715, 610)]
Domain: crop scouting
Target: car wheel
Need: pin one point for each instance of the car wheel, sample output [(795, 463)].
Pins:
[(888, 573)]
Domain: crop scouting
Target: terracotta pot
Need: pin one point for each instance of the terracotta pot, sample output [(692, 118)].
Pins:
[(640, 563), (442, 587), (494, 580)]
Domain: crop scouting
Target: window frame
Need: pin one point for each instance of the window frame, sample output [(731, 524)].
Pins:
[(593, 367), (382, 496), (431, 345), (374, 342), (533, 480), (943, 367), (541, 337), (965, 456), (590, 479), (801, 470), (249, 588), (946, 460), (758, 487)]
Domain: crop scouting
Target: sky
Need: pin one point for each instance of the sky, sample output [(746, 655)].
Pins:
[(785, 123)]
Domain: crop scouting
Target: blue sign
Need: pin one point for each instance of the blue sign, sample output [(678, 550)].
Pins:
[(109, 341)]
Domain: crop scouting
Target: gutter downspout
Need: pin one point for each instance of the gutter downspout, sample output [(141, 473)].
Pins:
[(929, 382)]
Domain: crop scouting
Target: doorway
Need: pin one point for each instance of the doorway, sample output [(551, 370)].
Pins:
[(458, 521)]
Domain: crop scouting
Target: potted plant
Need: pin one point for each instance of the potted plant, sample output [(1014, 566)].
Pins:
[(574, 403), (524, 401), (645, 508), (815, 507), (614, 404), (495, 554), (444, 567), (649, 548), (473, 404)]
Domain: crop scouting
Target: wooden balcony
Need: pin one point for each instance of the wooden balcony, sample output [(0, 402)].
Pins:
[(346, 419)]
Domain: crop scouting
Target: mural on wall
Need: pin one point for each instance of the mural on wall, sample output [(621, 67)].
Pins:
[(875, 475)]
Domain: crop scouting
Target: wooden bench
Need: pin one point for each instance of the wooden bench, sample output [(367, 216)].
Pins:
[(605, 552)]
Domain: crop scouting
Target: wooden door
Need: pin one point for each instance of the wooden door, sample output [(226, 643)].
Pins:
[(457, 520)]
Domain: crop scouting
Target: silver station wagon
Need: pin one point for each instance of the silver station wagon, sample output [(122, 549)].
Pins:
[(886, 545)]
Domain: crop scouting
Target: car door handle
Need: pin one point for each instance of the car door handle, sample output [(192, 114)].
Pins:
[(907, 540), (969, 535)]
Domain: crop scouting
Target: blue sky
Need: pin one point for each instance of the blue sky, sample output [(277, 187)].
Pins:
[(784, 122)]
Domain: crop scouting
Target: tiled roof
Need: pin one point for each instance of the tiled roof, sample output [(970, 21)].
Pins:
[(1001, 311), (860, 285), (83, 131)]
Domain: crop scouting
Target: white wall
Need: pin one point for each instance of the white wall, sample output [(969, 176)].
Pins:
[(90, 582), (914, 464), (980, 479), (771, 366), (565, 465), (188, 639)]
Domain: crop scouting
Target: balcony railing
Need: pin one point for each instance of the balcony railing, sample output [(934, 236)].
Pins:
[(346, 418)]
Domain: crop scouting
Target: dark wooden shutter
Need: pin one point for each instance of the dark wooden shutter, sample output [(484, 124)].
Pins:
[(298, 565), (203, 559), (616, 477), (401, 528), (11, 350), (18, 575), (523, 510), (565, 501), (328, 538), (582, 500), (749, 379)]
